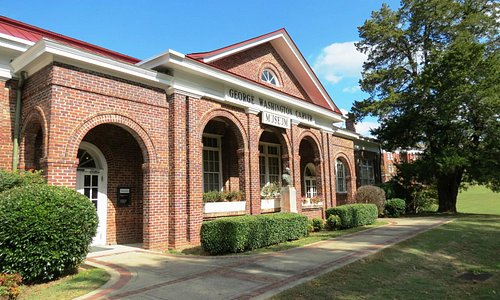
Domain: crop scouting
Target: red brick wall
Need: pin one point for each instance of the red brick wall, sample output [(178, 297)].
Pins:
[(251, 62), (74, 101), (312, 213), (155, 144), (7, 111)]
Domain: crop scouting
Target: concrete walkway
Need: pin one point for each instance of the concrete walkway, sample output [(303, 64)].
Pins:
[(140, 274)]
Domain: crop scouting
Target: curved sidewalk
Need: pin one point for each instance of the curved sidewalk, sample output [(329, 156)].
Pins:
[(140, 274)]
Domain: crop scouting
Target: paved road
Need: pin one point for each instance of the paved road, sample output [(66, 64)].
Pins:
[(140, 274)]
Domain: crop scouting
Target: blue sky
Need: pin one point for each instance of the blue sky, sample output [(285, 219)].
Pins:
[(324, 31)]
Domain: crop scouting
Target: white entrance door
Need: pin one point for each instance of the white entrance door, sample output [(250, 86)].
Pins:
[(91, 183)]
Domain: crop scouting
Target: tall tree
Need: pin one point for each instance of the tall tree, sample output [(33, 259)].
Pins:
[(433, 76)]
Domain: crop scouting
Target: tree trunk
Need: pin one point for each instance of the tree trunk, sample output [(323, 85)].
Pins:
[(448, 185)]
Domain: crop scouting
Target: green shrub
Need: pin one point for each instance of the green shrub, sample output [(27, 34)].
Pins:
[(238, 234), (371, 194), (234, 196), (354, 215), (333, 222), (9, 285), (310, 227), (395, 207), (9, 179), (45, 231), (216, 196), (318, 224), (213, 196)]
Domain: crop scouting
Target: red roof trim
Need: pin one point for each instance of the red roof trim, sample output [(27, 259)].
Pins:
[(264, 85), (32, 33), (202, 55)]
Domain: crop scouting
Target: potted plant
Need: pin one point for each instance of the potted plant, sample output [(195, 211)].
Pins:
[(270, 196), (220, 201)]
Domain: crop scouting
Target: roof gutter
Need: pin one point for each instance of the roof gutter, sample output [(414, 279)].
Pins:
[(15, 143)]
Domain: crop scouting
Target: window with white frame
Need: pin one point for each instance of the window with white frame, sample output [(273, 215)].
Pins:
[(268, 76), (390, 168), (212, 163), (269, 163), (310, 180), (367, 175), (389, 155), (341, 177)]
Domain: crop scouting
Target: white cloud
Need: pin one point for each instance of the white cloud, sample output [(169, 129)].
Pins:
[(363, 128), (351, 89), (338, 61)]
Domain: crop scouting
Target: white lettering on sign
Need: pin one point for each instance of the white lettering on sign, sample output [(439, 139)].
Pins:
[(275, 120)]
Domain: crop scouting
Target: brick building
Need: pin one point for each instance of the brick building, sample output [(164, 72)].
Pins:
[(144, 139), (391, 159)]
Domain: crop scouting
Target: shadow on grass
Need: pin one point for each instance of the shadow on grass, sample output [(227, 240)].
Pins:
[(427, 266)]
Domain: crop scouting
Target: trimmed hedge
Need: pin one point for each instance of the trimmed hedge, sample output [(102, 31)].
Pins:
[(395, 207), (238, 234), (11, 179), (354, 215), (45, 231)]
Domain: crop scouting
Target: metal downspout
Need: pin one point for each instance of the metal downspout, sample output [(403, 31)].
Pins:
[(17, 121)]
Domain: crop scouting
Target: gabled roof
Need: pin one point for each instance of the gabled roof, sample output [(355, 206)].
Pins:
[(286, 48), (33, 34)]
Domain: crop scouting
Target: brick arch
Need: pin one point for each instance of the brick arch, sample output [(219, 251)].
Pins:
[(36, 115), (306, 134), (349, 178), (34, 121), (233, 123), (345, 158), (123, 121), (282, 137)]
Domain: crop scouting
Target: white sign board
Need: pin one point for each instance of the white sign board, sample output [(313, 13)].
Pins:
[(275, 120)]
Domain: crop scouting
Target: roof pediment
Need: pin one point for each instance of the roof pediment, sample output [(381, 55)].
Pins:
[(309, 88)]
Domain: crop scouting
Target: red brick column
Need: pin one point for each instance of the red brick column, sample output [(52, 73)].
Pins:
[(253, 178), (295, 164), (332, 168), (178, 170), (195, 174), (327, 161), (7, 107), (155, 207)]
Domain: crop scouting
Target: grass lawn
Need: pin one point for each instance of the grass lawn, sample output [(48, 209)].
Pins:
[(68, 287), (425, 267), (312, 238), (479, 200)]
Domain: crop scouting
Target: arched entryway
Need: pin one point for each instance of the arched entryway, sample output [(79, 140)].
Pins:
[(110, 166), (310, 171), (273, 159), (92, 181), (223, 165)]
